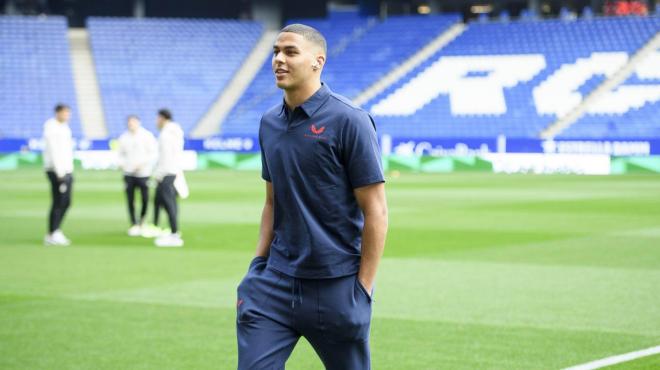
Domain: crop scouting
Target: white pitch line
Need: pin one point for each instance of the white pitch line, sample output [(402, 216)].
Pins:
[(616, 359)]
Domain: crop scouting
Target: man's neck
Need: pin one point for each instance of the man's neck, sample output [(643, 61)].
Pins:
[(295, 98)]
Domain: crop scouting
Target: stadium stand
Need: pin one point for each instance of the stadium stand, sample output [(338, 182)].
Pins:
[(145, 64), (635, 117), (35, 74), (360, 51), (183, 64), (374, 54), (533, 50)]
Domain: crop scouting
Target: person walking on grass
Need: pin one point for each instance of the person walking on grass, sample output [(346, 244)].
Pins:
[(58, 163), (137, 154), (324, 221), (168, 167)]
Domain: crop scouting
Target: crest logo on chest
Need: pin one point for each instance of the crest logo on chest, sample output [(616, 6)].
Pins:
[(316, 132)]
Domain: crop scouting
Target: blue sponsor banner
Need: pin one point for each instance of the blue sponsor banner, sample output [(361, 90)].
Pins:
[(613, 147), (231, 144), (437, 146), (239, 144), (93, 144), (11, 145), (475, 146), (399, 145)]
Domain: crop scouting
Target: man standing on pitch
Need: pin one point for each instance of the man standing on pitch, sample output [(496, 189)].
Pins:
[(58, 163), (170, 157), (137, 154), (324, 222)]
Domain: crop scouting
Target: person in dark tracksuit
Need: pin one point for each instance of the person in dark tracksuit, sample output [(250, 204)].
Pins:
[(58, 163), (168, 167), (324, 222)]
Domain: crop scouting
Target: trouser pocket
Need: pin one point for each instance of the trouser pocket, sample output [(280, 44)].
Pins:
[(257, 262), (364, 291), (344, 310), (249, 291)]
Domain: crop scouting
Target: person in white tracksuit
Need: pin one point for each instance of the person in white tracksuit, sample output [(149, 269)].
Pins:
[(58, 163), (137, 156), (168, 167)]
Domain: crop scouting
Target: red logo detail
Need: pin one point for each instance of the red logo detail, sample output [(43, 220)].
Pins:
[(317, 131), (239, 303)]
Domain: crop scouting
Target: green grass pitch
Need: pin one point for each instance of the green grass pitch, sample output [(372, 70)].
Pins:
[(481, 271)]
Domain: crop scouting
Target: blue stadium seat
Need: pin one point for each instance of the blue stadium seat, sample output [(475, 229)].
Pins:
[(146, 64), (374, 54), (181, 64), (35, 74), (360, 51), (641, 121), (558, 42)]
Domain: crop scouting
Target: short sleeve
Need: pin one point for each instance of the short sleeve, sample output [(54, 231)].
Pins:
[(265, 174), (360, 151)]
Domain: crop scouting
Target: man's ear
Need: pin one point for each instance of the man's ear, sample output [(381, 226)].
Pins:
[(320, 61)]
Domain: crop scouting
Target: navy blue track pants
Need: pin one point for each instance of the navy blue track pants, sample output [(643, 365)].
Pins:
[(274, 310)]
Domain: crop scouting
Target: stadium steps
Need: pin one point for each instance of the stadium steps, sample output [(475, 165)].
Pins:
[(356, 35), (418, 58), (619, 77), (212, 120), (88, 95)]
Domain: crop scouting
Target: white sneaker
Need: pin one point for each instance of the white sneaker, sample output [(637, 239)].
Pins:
[(53, 240), (59, 237), (171, 240), (153, 231), (50, 241), (135, 230)]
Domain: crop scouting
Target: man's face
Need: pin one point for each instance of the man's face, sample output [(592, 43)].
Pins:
[(160, 121), (293, 58), (63, 115), (133, 124)]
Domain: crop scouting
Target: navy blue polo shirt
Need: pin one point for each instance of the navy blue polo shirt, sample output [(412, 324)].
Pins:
[(315, 156)]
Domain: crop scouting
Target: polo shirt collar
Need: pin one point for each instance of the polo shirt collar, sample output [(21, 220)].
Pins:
[(313, 103)]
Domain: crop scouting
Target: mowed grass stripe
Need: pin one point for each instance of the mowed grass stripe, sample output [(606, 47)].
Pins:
[(632, 249), (492, 293)]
